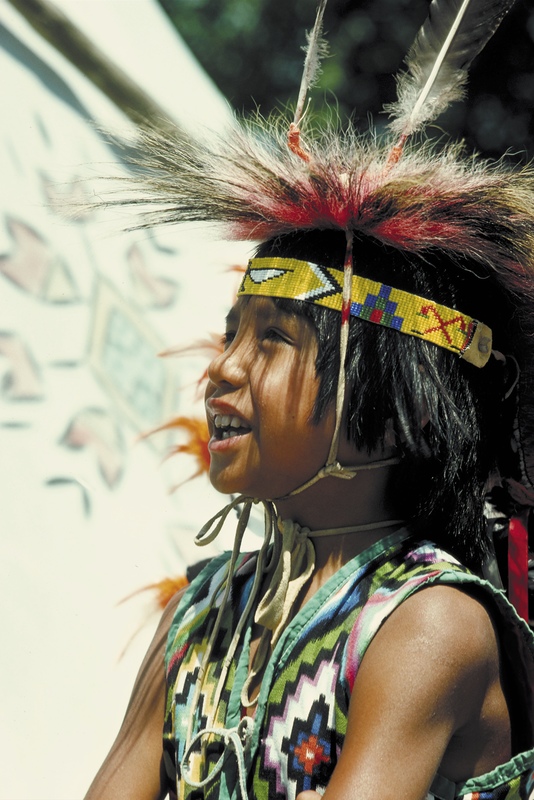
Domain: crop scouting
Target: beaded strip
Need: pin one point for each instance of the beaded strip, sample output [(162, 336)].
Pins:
[(371, 301)]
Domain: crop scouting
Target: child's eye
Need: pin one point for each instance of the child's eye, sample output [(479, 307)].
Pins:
[(227, 338), (276, 335)]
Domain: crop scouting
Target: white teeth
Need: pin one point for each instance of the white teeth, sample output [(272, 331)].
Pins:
[(226, 421), (229, 434)]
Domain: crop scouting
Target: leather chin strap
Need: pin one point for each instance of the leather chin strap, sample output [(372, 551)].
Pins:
[(337, 470)]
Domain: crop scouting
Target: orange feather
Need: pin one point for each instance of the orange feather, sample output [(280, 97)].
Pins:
[(211, 346), (196, 444)]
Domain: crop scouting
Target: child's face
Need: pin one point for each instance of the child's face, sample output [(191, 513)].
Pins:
[(265, 384)]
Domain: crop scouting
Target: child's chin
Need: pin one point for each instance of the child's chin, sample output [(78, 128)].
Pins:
[(226, 485), (236, 487)]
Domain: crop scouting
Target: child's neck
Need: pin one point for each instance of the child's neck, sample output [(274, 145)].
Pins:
[(335, 502), (338, 503)]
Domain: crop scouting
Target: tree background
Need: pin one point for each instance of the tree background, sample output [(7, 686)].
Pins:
[(252, 50)]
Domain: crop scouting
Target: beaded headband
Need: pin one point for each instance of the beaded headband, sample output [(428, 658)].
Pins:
[(371, 301)]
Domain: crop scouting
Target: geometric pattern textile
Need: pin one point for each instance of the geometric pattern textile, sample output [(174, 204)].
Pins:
[(371, 301), (301, 717)]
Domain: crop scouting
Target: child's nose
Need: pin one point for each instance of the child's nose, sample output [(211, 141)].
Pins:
[(229, 367)]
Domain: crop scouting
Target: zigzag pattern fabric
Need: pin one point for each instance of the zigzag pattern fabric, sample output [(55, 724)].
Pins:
[(301, 717)]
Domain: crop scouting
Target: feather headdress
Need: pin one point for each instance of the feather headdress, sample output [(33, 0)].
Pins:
[(262, 179), (255, 187), (411, 196)]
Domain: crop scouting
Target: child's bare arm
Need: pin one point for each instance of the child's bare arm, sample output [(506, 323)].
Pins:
[(131, 770), (430, 675)]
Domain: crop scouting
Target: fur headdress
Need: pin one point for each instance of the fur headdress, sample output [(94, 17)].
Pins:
[(255, 188), (262, 179)]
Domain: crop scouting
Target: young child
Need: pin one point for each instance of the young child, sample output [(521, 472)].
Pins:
[(374, 387)]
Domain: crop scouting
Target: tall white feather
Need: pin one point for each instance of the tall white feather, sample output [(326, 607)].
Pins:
[(315, 50), (453, 34)]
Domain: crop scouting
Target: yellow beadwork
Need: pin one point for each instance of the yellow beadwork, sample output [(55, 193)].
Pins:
[(371, 301)]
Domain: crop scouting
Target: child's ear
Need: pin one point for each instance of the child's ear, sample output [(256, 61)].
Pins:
[(511, 372), (392, 438)]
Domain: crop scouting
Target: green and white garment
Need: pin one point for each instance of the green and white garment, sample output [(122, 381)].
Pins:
[(300, 723)]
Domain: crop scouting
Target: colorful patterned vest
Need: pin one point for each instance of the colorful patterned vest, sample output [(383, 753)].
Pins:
[(300, 723)]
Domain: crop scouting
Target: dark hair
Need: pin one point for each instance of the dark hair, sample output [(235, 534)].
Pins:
[(392, 376)]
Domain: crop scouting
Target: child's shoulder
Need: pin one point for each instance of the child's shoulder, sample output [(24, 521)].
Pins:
[(448, 619), (445, 680)]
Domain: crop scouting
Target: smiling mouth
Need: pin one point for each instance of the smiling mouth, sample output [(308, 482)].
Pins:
[(225, 426)]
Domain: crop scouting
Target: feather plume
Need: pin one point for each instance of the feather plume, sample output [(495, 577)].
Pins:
[(197, 444), (315, 50), (453, 34)]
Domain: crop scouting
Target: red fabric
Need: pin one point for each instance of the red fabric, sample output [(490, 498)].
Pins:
[(518, 563)]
